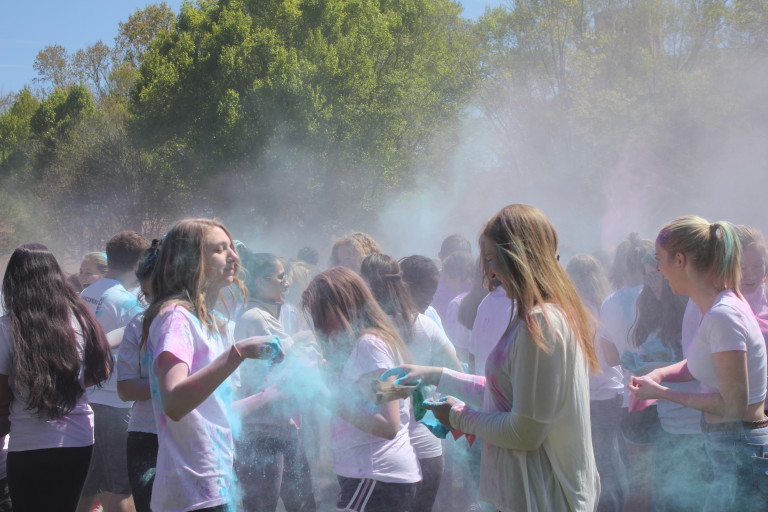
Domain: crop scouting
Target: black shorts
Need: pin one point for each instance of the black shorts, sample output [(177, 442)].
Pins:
[(366, 495)]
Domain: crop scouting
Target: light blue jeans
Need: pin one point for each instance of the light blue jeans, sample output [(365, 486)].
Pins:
[(734, 486)]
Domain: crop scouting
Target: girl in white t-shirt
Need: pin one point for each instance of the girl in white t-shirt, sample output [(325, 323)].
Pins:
[(429, 345), (727, 356), (270, 461), (194, 356), (533, 403), (51, 348), (373, 458)]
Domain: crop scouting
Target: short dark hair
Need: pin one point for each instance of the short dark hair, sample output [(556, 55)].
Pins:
[(459, 265), (125, 249), (419, 269), (309, 254), (454, 243)]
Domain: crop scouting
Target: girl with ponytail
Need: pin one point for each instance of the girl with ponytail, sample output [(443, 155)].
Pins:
[(727, 356)]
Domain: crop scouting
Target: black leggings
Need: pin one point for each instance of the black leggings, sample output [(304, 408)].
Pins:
[(47, 480), (426, 492), (142, 461)]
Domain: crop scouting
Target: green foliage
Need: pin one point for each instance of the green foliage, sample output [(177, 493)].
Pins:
[(15, 128), (347, 90), (61, 110)]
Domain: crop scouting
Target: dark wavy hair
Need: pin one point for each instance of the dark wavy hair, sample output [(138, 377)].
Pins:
[(384, 278), (41, 307)]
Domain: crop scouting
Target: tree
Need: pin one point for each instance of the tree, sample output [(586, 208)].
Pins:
[(338, 95), (53, 66), (135, 35), (15, 127), (93, 65)]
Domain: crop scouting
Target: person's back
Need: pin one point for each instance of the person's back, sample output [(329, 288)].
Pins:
[(114, 307), (50, 347)]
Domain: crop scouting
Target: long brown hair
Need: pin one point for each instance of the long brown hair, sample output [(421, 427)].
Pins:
[(179, 273), (525, 243), (340, 295), (383, 275), (47, 363)]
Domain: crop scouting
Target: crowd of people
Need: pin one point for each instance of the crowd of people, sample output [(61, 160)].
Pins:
[(191, 373)]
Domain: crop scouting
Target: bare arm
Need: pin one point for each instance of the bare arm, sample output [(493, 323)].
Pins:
[(730, 402), (677, 372), (133, 390), (181, 392), (383, 422), (610, 353)]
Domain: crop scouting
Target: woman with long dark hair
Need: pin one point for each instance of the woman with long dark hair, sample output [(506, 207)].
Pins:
[(51, 349), (533, 403)]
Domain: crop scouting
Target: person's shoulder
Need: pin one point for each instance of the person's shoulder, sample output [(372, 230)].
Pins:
[(729, 308), (552, 320), (426, 324), (173, 310), (372, 341), (495, 300), (254, 316), (252, 322), (96, 289)]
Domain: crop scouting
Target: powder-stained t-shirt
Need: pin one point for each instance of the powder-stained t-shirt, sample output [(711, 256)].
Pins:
[(195, 456), (359, 454)]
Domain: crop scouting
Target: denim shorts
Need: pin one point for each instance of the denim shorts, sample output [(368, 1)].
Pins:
[(735, 485)]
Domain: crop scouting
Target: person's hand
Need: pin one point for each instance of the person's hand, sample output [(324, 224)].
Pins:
[(441, 408), (646, 388), (261, 347), (413, 375)]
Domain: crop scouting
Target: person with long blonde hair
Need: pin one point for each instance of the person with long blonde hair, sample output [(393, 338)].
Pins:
[(537, 449), (373, 459), (193, 358), (727, 356)]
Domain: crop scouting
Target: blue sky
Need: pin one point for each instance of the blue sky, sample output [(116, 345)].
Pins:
[(27, 26)]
